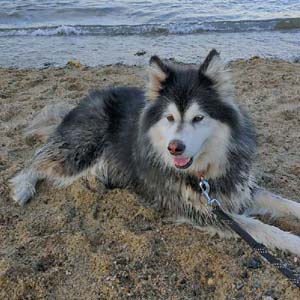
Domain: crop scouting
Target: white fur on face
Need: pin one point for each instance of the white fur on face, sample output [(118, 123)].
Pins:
[(205, 141)]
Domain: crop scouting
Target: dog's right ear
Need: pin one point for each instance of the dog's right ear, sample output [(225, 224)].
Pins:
[(158, 73)]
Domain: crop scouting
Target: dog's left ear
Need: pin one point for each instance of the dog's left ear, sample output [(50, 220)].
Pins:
[(158, 73), (213, 68), (212, 61)]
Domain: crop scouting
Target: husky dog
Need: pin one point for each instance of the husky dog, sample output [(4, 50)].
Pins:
[(159, 142)]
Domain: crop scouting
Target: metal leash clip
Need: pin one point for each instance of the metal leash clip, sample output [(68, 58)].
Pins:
[(205, 188)]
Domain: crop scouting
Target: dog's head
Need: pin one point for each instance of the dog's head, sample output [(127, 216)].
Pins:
[(191, 113)]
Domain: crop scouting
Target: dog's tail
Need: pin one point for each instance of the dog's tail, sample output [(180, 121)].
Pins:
[(41, 127), (46, 121)]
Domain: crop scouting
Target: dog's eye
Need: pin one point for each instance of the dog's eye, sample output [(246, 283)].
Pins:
[(170, 118), (198, 119)]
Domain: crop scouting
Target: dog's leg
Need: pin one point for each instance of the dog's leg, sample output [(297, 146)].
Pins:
[(267, 202), (53, 162), (76, 145), (23, 185), (42, 166), (271, 236), (42, 126)]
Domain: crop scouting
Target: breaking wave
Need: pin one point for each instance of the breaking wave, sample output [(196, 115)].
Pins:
[(42, 31), (157, 29)]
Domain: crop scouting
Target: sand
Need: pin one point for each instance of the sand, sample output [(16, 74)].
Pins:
[(84, 242)]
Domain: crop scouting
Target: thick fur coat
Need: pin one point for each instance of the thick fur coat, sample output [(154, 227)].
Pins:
[(158, 142)]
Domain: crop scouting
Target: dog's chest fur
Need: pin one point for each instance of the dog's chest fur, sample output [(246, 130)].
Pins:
[(180, 195)]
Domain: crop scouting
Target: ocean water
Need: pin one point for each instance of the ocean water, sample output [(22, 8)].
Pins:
[(40, 33)]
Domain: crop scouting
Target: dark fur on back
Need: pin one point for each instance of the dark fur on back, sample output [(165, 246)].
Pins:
[(99, 123)]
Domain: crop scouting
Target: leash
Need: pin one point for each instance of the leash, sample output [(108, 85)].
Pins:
[(217, 210)]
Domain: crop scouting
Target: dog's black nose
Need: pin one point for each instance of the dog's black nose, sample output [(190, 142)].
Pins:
[(176, 147)]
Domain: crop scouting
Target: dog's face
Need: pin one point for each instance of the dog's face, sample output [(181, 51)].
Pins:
[(191, 114)]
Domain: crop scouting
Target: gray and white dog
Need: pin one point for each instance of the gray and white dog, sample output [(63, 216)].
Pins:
[(158, 142)]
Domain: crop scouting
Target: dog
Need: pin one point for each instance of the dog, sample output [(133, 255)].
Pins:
[(159, 142)]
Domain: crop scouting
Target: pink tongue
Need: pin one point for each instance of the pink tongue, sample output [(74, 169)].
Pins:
[(182, 161)]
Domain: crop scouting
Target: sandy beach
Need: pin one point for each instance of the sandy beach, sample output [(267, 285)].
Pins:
[(84, 242)]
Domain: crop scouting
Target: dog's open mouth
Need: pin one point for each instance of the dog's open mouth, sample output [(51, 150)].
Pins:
[(183, 162)]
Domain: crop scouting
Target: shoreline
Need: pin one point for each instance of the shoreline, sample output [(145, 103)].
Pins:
[(76, 64), (75, 243), (28, 51)]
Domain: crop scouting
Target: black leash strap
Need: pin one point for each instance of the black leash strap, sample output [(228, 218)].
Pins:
[(285, 269), (260, 248)]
